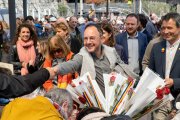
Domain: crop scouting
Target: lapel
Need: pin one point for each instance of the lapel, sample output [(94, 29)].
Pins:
[(176, 57), (163, 56), (140, 45), (125, 44)]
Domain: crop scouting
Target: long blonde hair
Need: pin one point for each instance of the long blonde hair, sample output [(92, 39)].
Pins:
[(59, 43)]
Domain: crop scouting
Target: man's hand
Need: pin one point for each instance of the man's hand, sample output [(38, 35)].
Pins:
[(55, 68), (169, 82), (31, 62), (51, 72)]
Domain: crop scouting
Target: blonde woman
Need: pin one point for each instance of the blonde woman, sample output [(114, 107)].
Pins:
[(60, 52), (63, 31)]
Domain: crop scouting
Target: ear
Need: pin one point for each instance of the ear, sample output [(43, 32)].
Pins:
[(110, 35), (65, 106)]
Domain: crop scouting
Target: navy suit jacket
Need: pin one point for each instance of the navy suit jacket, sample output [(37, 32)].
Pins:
[(158, 64), (149, 36), (121, 39)]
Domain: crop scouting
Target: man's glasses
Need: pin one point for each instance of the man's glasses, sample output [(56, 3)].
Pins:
[(56, 50)]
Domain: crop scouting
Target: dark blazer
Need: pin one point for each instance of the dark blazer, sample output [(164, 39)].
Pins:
[(120, 51), (121, 39), (14, 86), (149, 36), (158, 65)]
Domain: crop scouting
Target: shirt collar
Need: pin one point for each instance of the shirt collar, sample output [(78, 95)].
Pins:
[(174, 44), (142, 30), (102, 55), (134, 37)]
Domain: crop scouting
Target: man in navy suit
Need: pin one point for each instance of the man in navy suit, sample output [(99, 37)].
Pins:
[(133, 42), (165, 55)]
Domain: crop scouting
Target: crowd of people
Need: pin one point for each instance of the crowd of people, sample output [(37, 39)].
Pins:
[(48, 54)]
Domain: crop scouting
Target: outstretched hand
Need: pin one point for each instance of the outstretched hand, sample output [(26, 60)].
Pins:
[(51, 72)]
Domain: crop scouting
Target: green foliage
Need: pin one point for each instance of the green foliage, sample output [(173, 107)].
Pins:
[(62, 9), (160, 8)]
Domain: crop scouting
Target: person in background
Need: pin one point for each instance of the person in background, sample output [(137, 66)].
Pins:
[(134, 43), (18, 22), (82, 24), (45, 59), (151, 24), (22, 52), (3, 38), (62, 30), (109, 40), (7, 30), (57, 104), (74, 31), (142, 26), (5, 52)]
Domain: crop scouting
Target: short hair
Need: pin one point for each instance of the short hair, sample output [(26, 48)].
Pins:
[(59, 43), (173, 16), (133, 15), (29, 18), (72, 17), (60, 96), (62, 26), (97, 26), (143, 20)]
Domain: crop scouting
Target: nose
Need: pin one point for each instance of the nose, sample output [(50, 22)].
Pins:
[(88, 40)]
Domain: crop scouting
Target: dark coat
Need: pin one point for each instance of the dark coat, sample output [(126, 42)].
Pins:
[(14, 59), (15, 86), (120, 51), (149, 36), (158, 64), (121, 39)]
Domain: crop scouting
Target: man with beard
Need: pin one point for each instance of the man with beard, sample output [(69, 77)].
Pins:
[(133, 42)]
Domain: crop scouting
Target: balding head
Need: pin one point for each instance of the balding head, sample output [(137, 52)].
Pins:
[(61, 19)]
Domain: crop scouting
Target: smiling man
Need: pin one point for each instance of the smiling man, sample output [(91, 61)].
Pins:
[(165, 58), (133, 42), (94, 58)]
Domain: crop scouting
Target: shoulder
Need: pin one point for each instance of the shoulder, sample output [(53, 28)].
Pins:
[(121, 34), (158, 46), (107, 48), (118, 47), (141, 35)]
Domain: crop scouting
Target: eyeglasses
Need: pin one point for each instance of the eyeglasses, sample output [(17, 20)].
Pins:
[(56, 50)]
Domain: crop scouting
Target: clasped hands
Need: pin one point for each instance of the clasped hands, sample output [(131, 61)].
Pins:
[(52, 72)]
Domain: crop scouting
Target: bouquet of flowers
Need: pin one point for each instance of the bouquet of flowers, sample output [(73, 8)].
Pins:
[(120, 96)]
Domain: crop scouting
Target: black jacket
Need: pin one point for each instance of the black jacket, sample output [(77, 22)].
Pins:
[(14, 59), (14, 86)]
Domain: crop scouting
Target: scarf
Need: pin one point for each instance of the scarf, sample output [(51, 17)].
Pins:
[(26, 53)]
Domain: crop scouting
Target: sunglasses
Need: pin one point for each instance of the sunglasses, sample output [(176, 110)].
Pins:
[(56, 50)]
